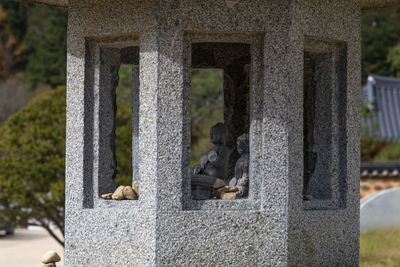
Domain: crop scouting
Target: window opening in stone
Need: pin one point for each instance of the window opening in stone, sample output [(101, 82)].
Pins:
[(206, 110), (220, 120), (323, 124), (119, 105), (123, 126)]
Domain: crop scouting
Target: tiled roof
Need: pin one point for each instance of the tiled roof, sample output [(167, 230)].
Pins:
[(378, 176), (384, 96), (380, 169)]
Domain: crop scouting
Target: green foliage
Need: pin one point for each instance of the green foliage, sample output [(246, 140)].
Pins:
[(370, 143), (38, 38), (391, 152), (123, 127), (32, 156), (32, 162), (12, 25), (206, 110), (380, 248), (16, 16), (393, 59), (46, 41), (371, 149), (380, 32)]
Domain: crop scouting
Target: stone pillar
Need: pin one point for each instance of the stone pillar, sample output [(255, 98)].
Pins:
[(324, 129), (100, 232), (135, 123)]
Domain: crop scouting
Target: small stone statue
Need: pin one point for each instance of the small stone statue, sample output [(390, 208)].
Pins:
[(241, 179), (215, 163)]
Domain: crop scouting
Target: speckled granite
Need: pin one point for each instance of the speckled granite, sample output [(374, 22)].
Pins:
[(165, 227), (364, 3)]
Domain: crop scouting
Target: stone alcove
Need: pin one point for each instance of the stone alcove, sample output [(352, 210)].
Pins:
[(239, 56)]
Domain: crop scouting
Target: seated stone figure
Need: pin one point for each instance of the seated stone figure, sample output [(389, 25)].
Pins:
[(215, 163), (241, 179)]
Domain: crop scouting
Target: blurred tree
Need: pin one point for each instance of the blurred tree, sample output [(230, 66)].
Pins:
[(393, 60), (32, 149), (206, 110), (380, 32), (123, 127), (12, 25), (371, 144), (32, 158), (33, 38), (391, 152), (46, 41)]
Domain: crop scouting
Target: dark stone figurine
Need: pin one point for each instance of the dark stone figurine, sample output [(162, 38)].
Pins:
[(213, 165), (241, 179)]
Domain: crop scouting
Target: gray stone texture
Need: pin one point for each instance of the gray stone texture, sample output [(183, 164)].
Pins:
[(365, 4), (324, 104), (165, 227), (380, 210), (135, 122)]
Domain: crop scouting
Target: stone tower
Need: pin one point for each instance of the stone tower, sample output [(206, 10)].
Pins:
[(295, 66)]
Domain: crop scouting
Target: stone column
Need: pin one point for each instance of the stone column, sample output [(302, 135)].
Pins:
[(135, 123)]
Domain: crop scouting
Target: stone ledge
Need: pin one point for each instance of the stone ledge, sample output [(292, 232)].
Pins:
[(365, 4)]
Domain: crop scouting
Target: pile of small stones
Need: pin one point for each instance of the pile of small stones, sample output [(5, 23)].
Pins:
[(222, 191), (50, 258), (124, 192)]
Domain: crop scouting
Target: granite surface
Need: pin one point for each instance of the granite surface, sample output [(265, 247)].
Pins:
[(325, 76), (365, 4), (165, 227)]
